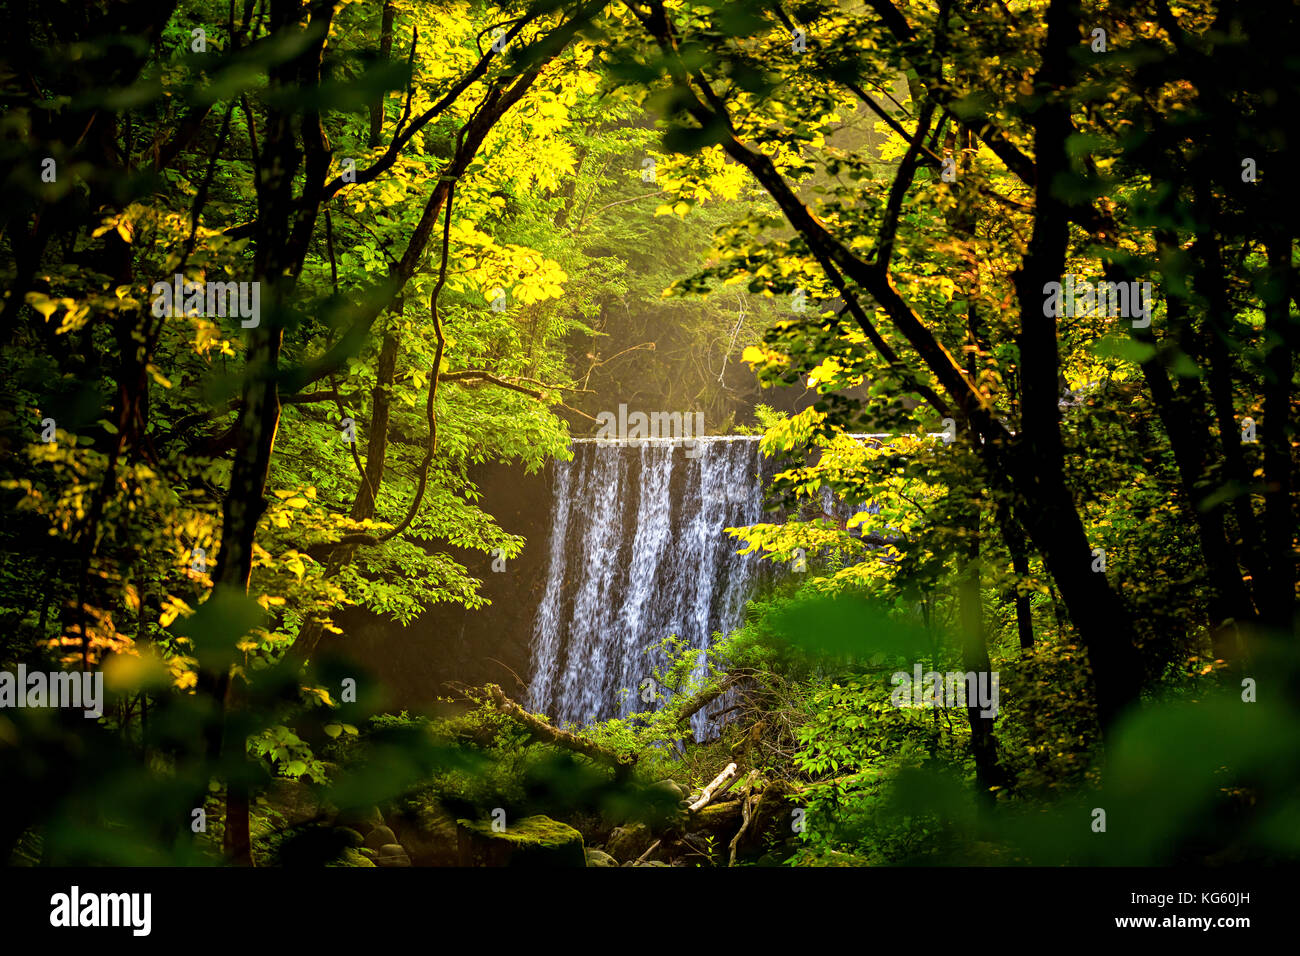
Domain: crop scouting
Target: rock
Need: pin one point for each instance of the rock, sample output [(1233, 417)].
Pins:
[(536, 841), (352, 857), (294, 800), (629, 842), (380, 836), (429, 835), (694, 849), (651, 863), (392, 854), (671, 788), (362, 819), (351, 836), (664, 802), (600, 858)]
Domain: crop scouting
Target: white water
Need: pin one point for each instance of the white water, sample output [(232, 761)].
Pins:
[(637, 553)]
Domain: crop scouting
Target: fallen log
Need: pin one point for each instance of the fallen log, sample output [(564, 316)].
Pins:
[(717, 816), (722, 791), (541, 730), (703, 700), (728, 772)]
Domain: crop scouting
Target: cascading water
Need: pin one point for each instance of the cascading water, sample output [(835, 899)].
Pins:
[(638, 551)]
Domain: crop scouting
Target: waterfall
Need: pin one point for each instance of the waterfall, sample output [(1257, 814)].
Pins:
[(638, 552)]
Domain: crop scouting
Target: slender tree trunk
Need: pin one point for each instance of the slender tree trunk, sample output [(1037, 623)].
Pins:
[(975, 659), (385, 51), (1279, 513), (363, 504), (280, 248), (1013, 536), (1186, 423)]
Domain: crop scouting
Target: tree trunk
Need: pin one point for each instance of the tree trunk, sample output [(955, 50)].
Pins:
[(1014, 538), (280, 248), (1052, 520), (1279, 514), (975, 659), (385, 51)]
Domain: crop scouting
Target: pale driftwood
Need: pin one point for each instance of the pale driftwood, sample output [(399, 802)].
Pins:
[(722, 790), (707, 794)]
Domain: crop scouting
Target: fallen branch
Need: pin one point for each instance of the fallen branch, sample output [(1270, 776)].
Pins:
[(707, 794), (707, 697), (746, 808), (725, 787), (541, 730), (650, 849)]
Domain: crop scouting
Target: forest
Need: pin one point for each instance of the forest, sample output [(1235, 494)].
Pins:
[(663, 433)]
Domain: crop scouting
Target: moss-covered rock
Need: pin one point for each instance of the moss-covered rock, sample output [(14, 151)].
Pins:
[(295, 801), (352, 837), (352, 857), (392, 854), (536, 841), (380, 836), (629, 842), (600, 858), (670, 788), (361, 819)]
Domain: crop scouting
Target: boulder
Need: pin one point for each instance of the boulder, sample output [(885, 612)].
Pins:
[(392, 854), (671, 788), (352, 837), (536, 841), (380, 836), (362, 819), (352, 857), (629, 842), (665, 802), (658, 805), (294, 800), (600, 858), (429, 835)]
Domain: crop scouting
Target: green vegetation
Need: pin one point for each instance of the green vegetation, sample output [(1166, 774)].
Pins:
[(469, 228)]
